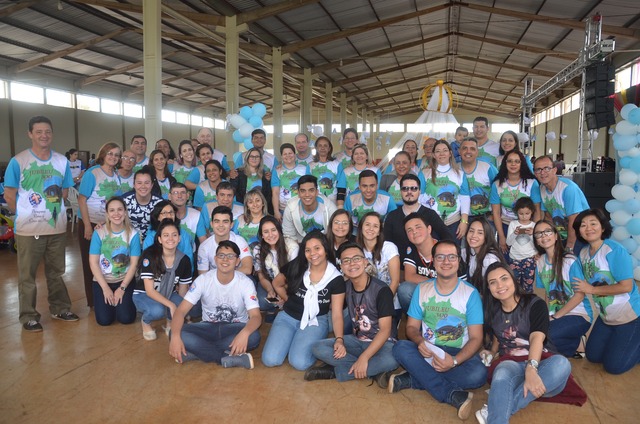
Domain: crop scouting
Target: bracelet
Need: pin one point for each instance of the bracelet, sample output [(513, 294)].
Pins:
[(340, 339), (123, 288), (464, 221)]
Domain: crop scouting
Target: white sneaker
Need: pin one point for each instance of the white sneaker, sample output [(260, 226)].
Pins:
[(482, 414)]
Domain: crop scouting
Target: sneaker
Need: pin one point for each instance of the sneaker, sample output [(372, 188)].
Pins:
[(65, 316), (383, 379), (399, 382), (32, 326), (461, 400), (323, 372), (149, 335), (482, 415), (244, 360)]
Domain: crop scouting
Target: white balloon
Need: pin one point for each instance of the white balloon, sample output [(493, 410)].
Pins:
[(621, 217), (628, 177), (237, 121), (317, 130), (633, 152), (620, 233), (624, 112), (550, 136), (626, 128), (622, 192), (245, 130), (636, 273), (636, 254)]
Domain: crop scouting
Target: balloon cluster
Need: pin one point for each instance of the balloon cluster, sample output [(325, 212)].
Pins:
[(249, 119), (625, 206), (316, 130)]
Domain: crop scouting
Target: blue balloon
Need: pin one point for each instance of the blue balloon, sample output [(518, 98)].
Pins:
[(613, 205), (632, 206), (236, 155), (259, 110), (237, 137), (625, 162), (246, 112), (247, 143), (634, 116), (635, 164), (624, 112), (256, 121), (633, 226), (630, 244), (623, 142)]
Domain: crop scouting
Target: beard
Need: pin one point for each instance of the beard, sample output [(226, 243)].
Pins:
[(410, 202)]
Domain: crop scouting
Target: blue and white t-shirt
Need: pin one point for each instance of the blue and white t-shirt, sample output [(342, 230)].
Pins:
[(564, 200), (355, 203), (489, 152), (204, 194), (327, 175), (207, 251), (446, 318), (116, 251), (558, 296), (138, 166), (479, 181), (181, 172), (448, 196), (287, 181), (506, 196), (609, 265), (349, 177), (98, 187), (40, 208)]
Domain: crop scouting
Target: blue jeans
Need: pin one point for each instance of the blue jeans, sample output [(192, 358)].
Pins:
[(346, 321), (262, 295), (470, 374), (381, 362), (286, 338), (405, 293), (208, 341), (152, 310), (565, 333), (617, 347), (106, 314), (507, 386)]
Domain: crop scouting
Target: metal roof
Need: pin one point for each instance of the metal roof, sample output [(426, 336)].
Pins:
[(381, 53)]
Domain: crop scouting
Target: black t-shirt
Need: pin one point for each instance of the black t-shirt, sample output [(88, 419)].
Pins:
[(424, 267), (294, 306), (164, 284), (368, 306), (514, 328), (394, 229)]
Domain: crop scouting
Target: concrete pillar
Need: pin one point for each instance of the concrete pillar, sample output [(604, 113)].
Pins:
[(354, 114), (328, 109), (305, 110), (152, 52), (343, 111), (232, 71), (277, 98)]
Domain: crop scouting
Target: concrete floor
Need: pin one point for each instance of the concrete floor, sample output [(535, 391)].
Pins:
[(81, 372)]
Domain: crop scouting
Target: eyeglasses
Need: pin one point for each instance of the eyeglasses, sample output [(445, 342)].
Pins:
[(179, 193), (410, 188), (541, 170), (113, 155), (540, 234), (452, 257), (354, 260), (336, 222), (254, 157), (229, 256), (128, 158)]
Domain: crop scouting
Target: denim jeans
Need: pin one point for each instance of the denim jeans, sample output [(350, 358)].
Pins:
[(405, 292), (208, 341), (346, 321), (507, 386), (152, 310), (382, 361), (470, 374), (617, 347), (106, 314), (265, 305), (565, 333), (286, 338)]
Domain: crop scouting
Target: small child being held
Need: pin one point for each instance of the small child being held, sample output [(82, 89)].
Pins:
[(520, 239)]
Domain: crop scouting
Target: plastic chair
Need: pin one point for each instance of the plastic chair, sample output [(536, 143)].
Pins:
[(73, 205)]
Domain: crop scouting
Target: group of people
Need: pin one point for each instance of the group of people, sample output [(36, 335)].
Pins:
[(330, 244)]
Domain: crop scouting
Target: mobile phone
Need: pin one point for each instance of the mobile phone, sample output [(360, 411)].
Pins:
[(272, 299)]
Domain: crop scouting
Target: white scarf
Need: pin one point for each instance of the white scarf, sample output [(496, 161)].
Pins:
[(311, 306)]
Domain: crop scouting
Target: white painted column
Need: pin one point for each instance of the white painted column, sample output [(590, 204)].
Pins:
[(343, 111), (152, 52), (305, 110), (232, 70), (328, 109), (277, 97)]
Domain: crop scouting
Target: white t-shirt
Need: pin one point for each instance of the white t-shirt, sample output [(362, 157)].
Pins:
[(389, 251), (207, 251), (226, 303), (522, 246)]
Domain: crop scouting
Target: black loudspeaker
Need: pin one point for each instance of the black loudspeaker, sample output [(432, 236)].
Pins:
[(598, 105)]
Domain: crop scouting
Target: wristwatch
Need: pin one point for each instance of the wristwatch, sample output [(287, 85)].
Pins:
[(123, 288), (533, 364), (455, 362)]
